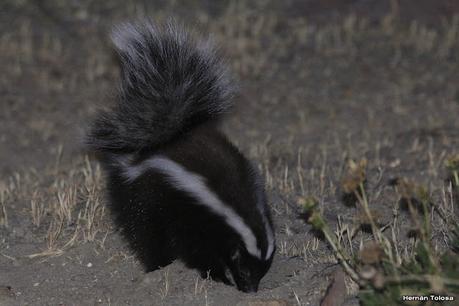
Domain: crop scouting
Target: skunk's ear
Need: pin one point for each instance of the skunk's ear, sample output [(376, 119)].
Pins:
[(236, 255)]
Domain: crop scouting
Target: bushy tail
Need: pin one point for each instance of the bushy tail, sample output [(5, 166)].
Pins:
[(169, 83)]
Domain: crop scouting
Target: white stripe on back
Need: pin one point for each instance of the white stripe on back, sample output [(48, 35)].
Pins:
[(195, 185)]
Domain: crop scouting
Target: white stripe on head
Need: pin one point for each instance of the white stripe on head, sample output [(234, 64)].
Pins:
[(195, 185)]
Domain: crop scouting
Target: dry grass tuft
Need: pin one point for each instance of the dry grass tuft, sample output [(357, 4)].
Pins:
[(66, 211), (3, 213)]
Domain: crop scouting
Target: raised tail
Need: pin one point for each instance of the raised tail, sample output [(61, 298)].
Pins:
[(169, 84)]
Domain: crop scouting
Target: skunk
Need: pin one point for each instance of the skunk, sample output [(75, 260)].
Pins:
[(178, 189)]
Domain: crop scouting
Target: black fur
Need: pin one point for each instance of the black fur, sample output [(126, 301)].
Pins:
[(172, 91), (169, 84), (163, 224)]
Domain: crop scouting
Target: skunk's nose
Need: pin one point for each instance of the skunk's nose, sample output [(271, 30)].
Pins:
[(248, 288)]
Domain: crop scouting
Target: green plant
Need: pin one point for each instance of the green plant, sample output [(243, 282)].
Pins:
[(383, 275)]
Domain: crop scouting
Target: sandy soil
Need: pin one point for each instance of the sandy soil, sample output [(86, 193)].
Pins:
[(321, 82)]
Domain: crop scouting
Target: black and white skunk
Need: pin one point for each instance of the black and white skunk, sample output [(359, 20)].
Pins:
[(178, 188)]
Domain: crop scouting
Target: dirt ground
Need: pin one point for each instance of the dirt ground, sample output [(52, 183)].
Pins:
[(322, 82)]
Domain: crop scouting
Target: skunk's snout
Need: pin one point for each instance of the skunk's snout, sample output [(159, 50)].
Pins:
[(248, 288), (247, 285)]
